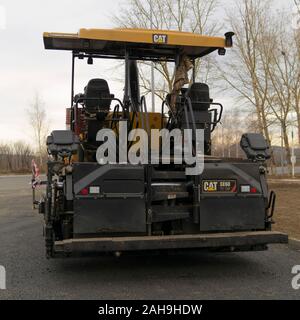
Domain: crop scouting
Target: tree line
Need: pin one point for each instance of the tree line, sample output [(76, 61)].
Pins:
[(17, 157)]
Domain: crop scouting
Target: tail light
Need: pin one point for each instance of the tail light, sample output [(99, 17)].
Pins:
[(253, 190), (84, 192)]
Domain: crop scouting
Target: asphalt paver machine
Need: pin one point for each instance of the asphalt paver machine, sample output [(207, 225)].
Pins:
[(93, 207)]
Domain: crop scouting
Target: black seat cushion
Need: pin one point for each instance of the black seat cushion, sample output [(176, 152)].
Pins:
[(98, 89), (199, 95)]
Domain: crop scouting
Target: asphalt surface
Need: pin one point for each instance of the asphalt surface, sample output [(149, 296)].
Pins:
[(255, 275)]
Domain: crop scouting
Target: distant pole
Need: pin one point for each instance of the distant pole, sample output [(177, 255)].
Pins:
[(281, 151), (293, 155), (152, 63), (236, 148), (223, 148)]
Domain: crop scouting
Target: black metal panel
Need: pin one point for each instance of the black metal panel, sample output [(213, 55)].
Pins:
[(120, 205), (113, 171), (117, 179), (109, 216), (232, 213), (123, 186), (244, 171)]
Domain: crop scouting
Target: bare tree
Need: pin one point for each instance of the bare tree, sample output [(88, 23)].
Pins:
[(265, 67), (39, 124), (297, 4), (227, 136), (279, 55), (243, 73), (182, 15), (296, 81)]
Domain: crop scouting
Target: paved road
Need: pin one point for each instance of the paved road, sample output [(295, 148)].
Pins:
[(257, 275)]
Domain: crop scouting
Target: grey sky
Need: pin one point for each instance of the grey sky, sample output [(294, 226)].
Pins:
[(26, 68)]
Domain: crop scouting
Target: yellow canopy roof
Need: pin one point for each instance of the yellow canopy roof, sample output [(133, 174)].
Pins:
[(141, 43)]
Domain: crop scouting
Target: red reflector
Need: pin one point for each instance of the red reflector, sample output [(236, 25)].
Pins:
[(84, 192), (253, 190)]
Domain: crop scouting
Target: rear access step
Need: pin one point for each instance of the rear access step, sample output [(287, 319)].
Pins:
[(234, 241)]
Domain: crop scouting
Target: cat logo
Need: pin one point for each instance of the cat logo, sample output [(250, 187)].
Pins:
[(210, 186), (160, 38)]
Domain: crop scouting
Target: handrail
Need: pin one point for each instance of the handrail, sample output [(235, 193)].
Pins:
[(216, 120), (81, 99), (163, 111), (102, 98), (217, 115), (143, 103), (271, 204)]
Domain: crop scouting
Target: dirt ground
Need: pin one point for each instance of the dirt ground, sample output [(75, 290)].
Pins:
[(287, 211)]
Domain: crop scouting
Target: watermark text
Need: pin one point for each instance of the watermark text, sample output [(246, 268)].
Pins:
[(158, 146), (2, 278), (296, 278)]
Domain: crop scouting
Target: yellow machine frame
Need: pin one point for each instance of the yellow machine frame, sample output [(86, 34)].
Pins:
[(145, 43)]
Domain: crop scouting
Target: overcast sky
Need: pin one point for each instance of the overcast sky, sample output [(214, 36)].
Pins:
[(26, 68)]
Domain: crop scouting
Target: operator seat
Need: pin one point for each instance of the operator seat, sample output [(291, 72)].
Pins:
[(97, 100), (98, 89), (199, 95), (200, 101)]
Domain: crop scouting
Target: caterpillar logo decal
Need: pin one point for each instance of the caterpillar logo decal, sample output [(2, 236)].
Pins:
[(228, 186), (160, 38), (210, 186)]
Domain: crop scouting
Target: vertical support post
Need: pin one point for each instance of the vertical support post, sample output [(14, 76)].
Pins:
[(127, 82), (152, 87), (33, 198), (149, 199), (194, 71), (196, 200), (49, 240), (73, 76), (152, 63)]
